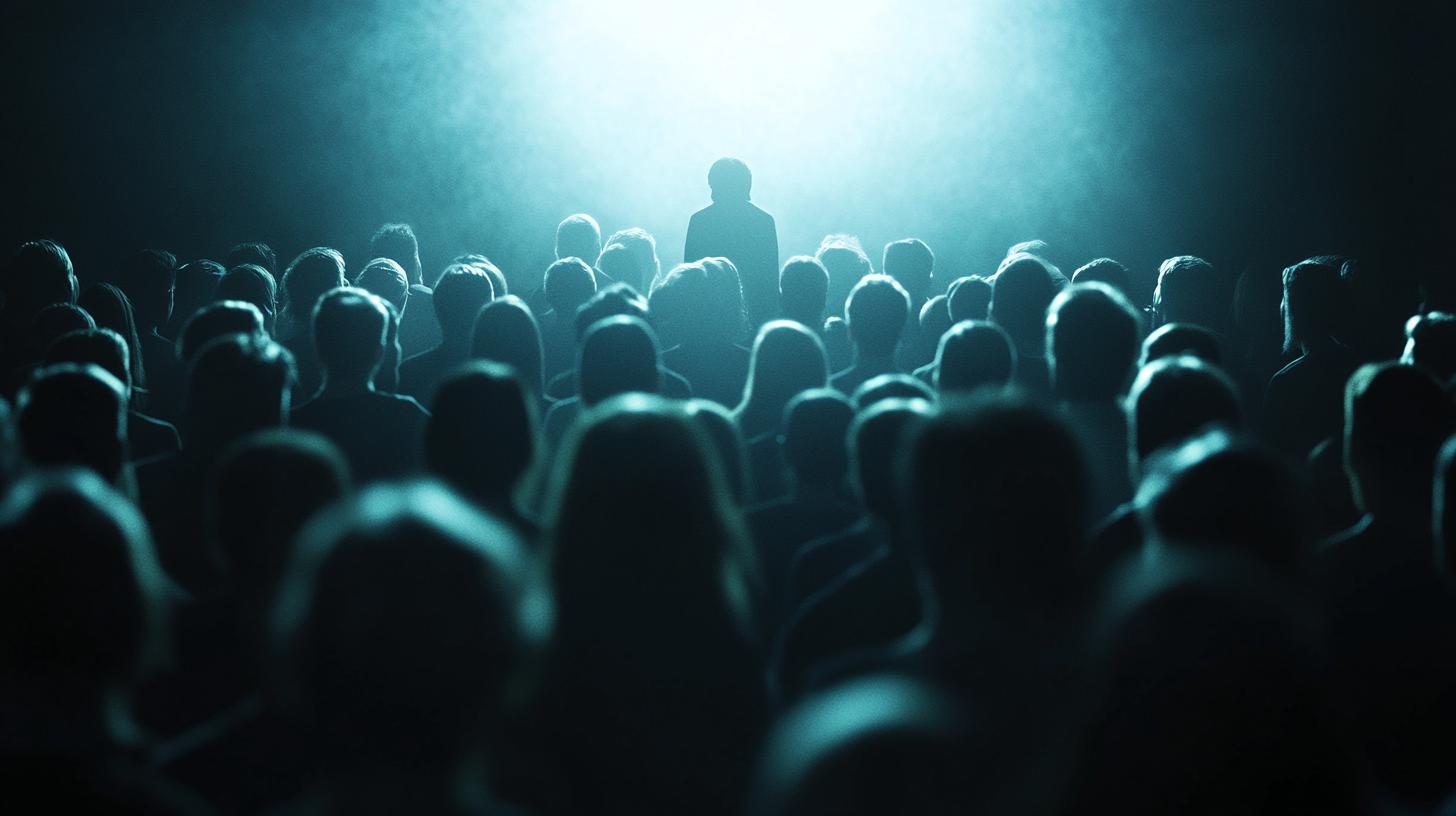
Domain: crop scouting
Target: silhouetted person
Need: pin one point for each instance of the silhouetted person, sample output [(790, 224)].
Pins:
[(58, 319), (847, 263), (1176, 339), (911, 263), (619, 355), (112, 309), (253, 284), (195, 286), (876, 312), (1190, 290), (419, 330), (1303, 403), (578, 236), (647, 267), (727, 446), (256, 253), (611, 300), (1431, 344), (735, 228), (75, 415), (972, 354), (1107, 271), (482, 439), (1021, 293), (147, 437), (699, 310), (889, 386), (379, 434), (459, 296), (787, 359), (214, 321), (568, 284), (38, 275), (803, 291), (386, 279), (314, 272), (969, 298), (148, 277), (506, 332), (932, 324)]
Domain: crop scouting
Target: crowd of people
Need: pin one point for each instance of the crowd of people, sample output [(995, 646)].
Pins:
[(724, 537)]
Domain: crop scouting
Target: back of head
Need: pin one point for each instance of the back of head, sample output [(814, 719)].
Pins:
[(506, 332), (255, 253), (112, 309), (99, 347), (876, 449), (911, 263), (618, 263), (614, 299), (1021, 293), (387, 279), (39, 274), (889, 386), (876, 312), (578, 236), (395, 581), (1431, 344), (804, 289), (787, 358), (568, 283), (236, 384), (1105, 271), (481, 435), (349, 328), (643, 247), (846, 262), (816, 432), (253, 284), (969, 298), (195, 287), (58, 319), (71, 414), (1178, 339), (214, 321), (1190, 290), (497, 278), (1093, 336), (934, 319), (729, 180), (1396, 418), (618, 355), (81, 595), (312, 273), (148, 278), (1315, 305), (1174, 398), (397, 242), (974, 354), (700, 302), (459, 295)]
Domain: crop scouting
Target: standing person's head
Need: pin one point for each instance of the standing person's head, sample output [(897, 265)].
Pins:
[(969, 298), (1431, 344), (568, 283), (459, 295), (506, 332), (397, 242), (1315, 304), (1020, 296), (643, 247), (349, 328), (700, 303), (71, 414), (815, 437), (214, 321), (974, 354), (729, 180), (618, 355), (387, 279), (236, 384), (911, 263), (1175, 398), (1093, 337), (787, 358), (482, 434), (876, 312), (876, 449), (148, 278), (1174, 339), (1105, 271), (312, 273), (112, 309), (845, 260), (578, 236), (196, 286), (803, 290), (39, 274), (1396, 418), (1190, 290), (256, 253), (253, 284)]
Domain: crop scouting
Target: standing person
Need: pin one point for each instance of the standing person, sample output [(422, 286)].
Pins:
[(734, 228)]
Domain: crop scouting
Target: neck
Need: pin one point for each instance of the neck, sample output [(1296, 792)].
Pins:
[(873, 358), (351, 386)]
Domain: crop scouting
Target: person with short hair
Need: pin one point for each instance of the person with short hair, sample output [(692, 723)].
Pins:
[(567, 284), (578, 236), (876, 313), (311, 274), (735, 228), (459, 296), (147, 437), (699, 310), (1021, 293)]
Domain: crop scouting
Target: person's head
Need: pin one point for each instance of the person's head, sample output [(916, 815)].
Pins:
[(39, 274), (1093, 337), (700, 302), (1173, 399), (803, 289), (349, 327), (876, 448), (612, 299), (112, 309), (1396, 418), (727, 444), (497, 278), (265, 487), (384, 586), (214, 321), (99, 347), (1105, 271), (911, 263), (1020, 296), (815, 436), (845, 260), (236, 384), (618, 263), (1190, 290), (876, 312), (482, 433), (195, 287), (973, 354), (397, 242), (148, 278), (82, 599), (578, 236), (506, 332), (1315, 304), (58, 319), (1431, 344), (644, 248), (387, 279), (312, 273), (969, 298), (787, 358), (889, 386), (934, 319), (256, 253), (729, 180), (568, 283), (1176, 339), (459, 295), (70, 414), (253, 284), (618, 355)]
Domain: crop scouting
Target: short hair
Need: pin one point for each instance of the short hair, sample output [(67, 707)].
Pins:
[(876, 311), (618, 355), (644, 248), (312, 273), (1093, 338), (700, 300), (100, 347), (236, 384), (803, 289), (1174, 398), (1021, 293), (255, 253), (618, 263), (568, 283), (397, 242), (506, 332), (911, 263), (1172, 339), (71, 414), (385, 278), (1396, 418), (613, 299), (578, 236), (497, 278), (968, 298), (889, 386), (195, 287), (876, 448), (845, 260), (1190, 290), (815, 438), (1431, 344), (39, 274), (974, 354), (349, 327), (934, 320), (58, 319), (1105, 270), (730, 180), (251, 283), (482, 433), (214, 321), (1314, 304), (459, 295)]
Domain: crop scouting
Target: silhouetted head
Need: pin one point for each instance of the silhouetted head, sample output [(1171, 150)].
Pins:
[(348, 329), (253, 284), (876, 450), (112, 309), (846, 262), (1093, 336), (700, 302), (815, 438), (214, 321), (386, 586), (482, 433), (1175, 398), (256, 253), (39, 274), (969, 298), (569, 283), (71, 414), (1316, 302), (974, 354), (148, 278), (787, 358), (397, 242), (1105, 271), (1444, 510), (727, 444), (889, 386), (99, 347), (618, 263), (613, 299), (236, 384), (1190, 290), (911, 263), (81, 596), (1431, 344), (876, 313), (644, 249), (934, 320), (618, 355), (265, 487), (880, 744), (387, 279), (578, 236), (57, 319), (729, 180), (1020, 296), (1396, 418), (196, 286), (506, 332), (484, 264), (1177, 339), (459, 295), (312, 273), (803, 289)]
